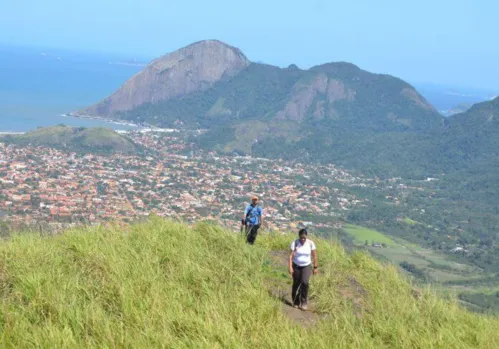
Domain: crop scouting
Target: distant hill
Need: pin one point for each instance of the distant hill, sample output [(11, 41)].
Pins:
[(193, 68), (460, 108), (331, 112), (471, 137), (335, 112), (99, 140), (468, 151)]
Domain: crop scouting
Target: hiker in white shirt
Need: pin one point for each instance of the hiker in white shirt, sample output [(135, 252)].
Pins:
[(300, 267)]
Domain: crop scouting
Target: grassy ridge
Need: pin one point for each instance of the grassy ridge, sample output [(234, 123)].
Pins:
[(95, 139), (162, 284)]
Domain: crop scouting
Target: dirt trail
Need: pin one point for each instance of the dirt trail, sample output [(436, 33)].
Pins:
[(280, 289)]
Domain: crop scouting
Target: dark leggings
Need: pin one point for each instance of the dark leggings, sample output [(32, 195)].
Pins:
[(299, 292), (251, 231)]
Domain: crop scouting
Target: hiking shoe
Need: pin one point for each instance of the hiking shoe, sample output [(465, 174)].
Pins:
[(295, 305), (304, 307)]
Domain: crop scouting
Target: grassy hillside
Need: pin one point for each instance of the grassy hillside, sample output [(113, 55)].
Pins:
[(162, 284), (96, 139)]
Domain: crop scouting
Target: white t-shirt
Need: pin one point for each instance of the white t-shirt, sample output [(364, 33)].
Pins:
[(303, 253)]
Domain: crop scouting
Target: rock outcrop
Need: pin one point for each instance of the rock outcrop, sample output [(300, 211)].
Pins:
[(193, 68)]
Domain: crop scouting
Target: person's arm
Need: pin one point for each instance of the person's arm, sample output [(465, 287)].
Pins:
[(316, 263), (261, 218), (290, 262)]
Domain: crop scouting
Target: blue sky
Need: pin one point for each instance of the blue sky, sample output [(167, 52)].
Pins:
[(440, 41)]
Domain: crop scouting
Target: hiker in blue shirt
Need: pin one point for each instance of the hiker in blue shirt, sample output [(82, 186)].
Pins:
[(252, 220)]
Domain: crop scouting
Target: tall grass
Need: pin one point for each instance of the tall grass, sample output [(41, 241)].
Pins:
[(160, 284)]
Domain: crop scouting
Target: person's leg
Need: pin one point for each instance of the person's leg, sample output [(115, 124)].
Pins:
[(295, 296), (304, 280), (249, 232), (253, 230)]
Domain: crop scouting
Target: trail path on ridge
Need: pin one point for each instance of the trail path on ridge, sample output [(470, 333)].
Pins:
[(280, 289)]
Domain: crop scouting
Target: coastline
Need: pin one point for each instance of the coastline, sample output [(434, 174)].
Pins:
[(127, 127), (139, 128), (98, 118), (6, 133)]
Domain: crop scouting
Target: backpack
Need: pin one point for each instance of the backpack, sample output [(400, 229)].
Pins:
[(249, 212), (297, 241)]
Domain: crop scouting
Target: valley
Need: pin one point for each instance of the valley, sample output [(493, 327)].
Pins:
[(172, 177), (355, 155)]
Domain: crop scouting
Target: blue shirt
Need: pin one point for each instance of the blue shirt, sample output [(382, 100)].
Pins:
[(255, 213)]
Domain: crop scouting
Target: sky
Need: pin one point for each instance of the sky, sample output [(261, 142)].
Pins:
[(438, 41)]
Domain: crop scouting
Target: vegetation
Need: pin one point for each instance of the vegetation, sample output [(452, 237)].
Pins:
[(162, 284), (304, 119), (362, 234), (78, 139), (414, 270), (371, 123), (255, 93), (487, 303)]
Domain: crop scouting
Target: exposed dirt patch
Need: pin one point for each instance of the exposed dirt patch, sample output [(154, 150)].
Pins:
[(281, 289), (350, 290), (416, 293), (353, 291), (303, 318)]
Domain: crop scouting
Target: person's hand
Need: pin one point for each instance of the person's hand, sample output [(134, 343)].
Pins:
[(316, 271), (291, 271)]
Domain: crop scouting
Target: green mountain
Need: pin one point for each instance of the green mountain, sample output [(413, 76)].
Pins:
[(162, 284), (80, 139), (468, 151), (334, 112), (193, 68), (473, 135), (460, 108)]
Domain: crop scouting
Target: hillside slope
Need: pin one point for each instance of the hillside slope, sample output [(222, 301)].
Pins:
[(472, 135), (335, 112), (192, 68), (162, 284), (95, 139)]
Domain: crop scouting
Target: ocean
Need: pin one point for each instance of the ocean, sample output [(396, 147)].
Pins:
[(37, 86)]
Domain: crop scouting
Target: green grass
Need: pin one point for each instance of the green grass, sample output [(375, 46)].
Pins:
[(96, 139), (439, 269), (409, 221), (362, 234), (161, 284), (218, 107)]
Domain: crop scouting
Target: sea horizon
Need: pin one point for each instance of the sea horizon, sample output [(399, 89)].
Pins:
[(40, 87)]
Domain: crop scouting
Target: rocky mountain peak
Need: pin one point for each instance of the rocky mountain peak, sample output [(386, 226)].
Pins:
[(195, 67)]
